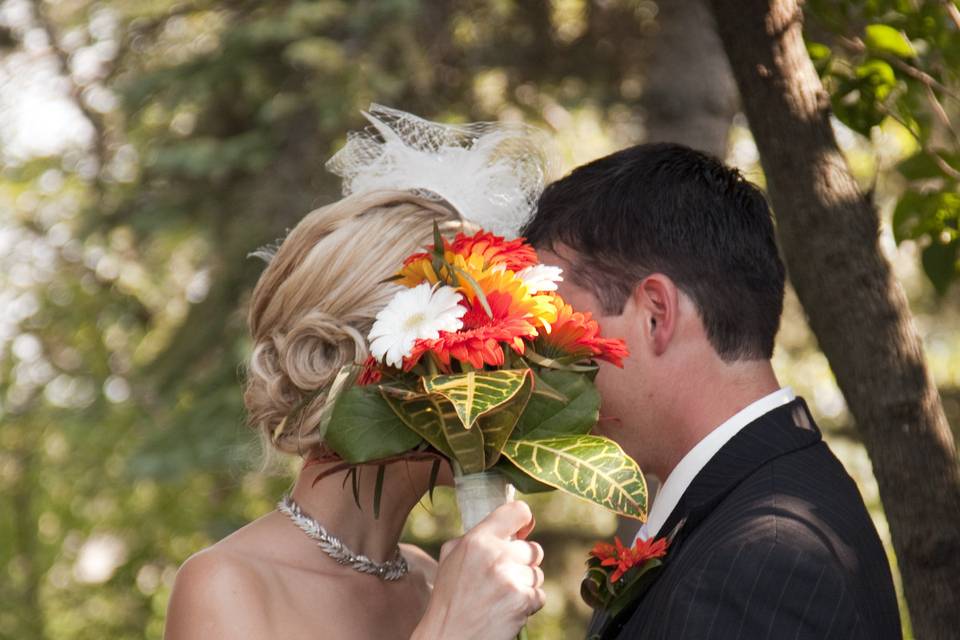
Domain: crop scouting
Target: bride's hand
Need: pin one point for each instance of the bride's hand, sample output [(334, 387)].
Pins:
[(488, 582)]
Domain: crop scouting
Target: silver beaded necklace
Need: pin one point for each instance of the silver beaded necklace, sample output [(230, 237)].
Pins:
[(331, 545)]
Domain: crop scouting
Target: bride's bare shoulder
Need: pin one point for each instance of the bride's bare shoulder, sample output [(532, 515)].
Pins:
[(223, 589)]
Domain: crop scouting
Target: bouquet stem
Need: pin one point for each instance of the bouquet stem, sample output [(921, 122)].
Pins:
[(478, 495)]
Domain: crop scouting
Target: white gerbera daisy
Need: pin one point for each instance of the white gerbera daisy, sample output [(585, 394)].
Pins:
[(540, 277), (414, 314)]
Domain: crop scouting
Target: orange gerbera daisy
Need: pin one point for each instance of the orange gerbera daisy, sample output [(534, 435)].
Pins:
[(577, 334), (480, 252), (479, 341), (625, 558), (539, 307)]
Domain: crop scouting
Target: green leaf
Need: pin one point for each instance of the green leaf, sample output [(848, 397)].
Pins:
[(363, 427), (818, 51), (498, 425), (635, 582), (940, 264), (519, 479), (546, 417), (477, 289), (926, 214), (923, 166), (589, 467), (885, 39), (878, 79), (467, 446), (475, 393), (562, 364), (424, 415), (593, 588)]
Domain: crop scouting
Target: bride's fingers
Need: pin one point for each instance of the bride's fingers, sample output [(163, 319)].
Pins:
[(538, 597), (527, 528), (524, 576), (525, 552), (538, 577)]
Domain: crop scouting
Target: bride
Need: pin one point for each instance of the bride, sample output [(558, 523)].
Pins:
[(319, 566)]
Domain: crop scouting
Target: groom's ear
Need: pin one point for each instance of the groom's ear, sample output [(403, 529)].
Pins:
[(657, 299)]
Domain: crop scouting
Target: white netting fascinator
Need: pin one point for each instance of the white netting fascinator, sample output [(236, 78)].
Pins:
[(491, 172)]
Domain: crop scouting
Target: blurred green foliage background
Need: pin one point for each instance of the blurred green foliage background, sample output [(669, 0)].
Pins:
[(147, 146)]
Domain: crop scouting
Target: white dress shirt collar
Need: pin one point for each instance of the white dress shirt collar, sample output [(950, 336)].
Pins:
[(691, 464)]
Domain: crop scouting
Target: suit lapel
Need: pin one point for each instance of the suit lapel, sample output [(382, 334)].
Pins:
[(776, 433)]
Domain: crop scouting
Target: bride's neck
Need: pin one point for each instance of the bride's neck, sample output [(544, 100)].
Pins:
[(331, 503)]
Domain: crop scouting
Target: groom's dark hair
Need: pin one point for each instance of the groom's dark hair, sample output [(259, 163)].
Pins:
[(665, 208)]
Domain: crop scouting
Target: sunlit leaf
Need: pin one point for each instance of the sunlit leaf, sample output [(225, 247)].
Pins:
[(886, 39), (589, 467), (477, 392)]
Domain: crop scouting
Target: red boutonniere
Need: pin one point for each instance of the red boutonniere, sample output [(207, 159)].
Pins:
[(617, 574)]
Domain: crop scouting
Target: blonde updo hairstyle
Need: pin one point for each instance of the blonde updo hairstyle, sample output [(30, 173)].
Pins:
[(317, 299)]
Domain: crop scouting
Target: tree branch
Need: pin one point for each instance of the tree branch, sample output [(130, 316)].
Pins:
[(952, 11), (95, 119)]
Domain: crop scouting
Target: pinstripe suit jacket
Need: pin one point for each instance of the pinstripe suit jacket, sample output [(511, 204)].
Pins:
[(774, 541)]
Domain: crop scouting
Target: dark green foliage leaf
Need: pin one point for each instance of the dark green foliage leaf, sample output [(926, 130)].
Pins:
[(519, 479), (546, 417), (940, 263), (634, 583), (908, 71), (426, 416), (497, 426), (922, 165), (593, 586), (926, 214), (467, 446), (363, 427)]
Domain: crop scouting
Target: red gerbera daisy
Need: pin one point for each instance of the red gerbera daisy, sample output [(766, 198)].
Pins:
[(577, 334), (479, 341), (625, 558), (370, 373), (513, 254)]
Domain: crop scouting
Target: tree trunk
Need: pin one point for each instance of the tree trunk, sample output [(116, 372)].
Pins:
[(829, 237), (689, 95)]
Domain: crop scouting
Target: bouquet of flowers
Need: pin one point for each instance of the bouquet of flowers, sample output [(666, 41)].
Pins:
[(478, 362)]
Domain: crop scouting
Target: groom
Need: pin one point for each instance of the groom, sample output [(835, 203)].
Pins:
[(675, 252)]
